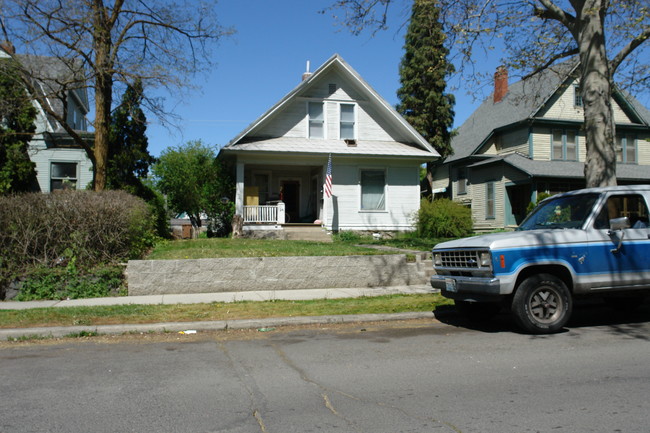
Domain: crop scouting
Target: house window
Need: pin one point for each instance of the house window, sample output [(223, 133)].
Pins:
[(373, 190), (63, 175), (564, 144), (347, 122), (316, 120), (490, 211), (626, 149), (577, 96), (462, 180)]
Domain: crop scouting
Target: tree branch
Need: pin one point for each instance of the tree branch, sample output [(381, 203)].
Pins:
[(627, 50), (553, 12)]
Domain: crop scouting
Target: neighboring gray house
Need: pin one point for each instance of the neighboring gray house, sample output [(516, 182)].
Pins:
[(281, 158), (527, 139), (60, 163)]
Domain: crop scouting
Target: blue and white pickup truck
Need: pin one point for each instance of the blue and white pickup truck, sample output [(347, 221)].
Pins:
[(590, 242)]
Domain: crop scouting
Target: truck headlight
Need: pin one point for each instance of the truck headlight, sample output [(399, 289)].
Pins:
[(485, 259), (437, 259)]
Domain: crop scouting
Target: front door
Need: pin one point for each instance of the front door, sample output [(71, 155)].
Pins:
[(290, 195)]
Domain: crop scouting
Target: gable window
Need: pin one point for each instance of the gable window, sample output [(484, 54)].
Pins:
[(577, 95), (490, 208), (462, 180), (626, 149), (63, 175), (564, 144), (373, 190), (316, 120), (347, 122)]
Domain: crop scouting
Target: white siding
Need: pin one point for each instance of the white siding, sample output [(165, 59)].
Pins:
[(43, 157), (513, 141), (563, 107), (402, 198)]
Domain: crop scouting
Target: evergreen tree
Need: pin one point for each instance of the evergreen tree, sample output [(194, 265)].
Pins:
[(423, 72), (128, 157), (17, 115)]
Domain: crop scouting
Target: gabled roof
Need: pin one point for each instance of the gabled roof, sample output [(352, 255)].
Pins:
[(525, 101), (55, 78), (415, 145)]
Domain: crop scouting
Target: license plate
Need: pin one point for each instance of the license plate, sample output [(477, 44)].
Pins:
[(450, 285)]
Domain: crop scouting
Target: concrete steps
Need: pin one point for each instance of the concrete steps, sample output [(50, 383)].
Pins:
[(306, 232)]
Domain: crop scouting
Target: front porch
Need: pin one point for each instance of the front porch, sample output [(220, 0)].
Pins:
[(275, 195)]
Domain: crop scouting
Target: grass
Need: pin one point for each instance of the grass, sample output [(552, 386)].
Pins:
[(135, 314), (227, 248)]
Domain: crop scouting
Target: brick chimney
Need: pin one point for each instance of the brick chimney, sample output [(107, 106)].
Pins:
[(306, 74), (500, 83), (8, 47)]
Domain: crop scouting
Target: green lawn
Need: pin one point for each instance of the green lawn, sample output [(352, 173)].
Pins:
[(119, 314), (226, 247)]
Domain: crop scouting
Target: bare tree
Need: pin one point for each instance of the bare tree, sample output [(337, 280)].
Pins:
[(608, 36), (107, 44)]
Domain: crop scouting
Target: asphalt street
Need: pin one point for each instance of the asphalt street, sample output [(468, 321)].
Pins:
[(403, 376)]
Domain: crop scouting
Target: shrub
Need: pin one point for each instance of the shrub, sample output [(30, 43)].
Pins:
[(81, 227), (347, 236), (443, 218)]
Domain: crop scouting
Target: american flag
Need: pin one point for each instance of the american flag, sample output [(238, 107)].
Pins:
[(328, 178)]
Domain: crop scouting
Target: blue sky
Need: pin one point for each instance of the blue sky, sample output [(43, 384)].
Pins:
[(265, 59)]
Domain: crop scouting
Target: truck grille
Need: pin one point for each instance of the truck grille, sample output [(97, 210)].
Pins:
[(461, 259)]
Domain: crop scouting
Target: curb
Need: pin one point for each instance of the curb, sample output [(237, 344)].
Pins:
[(218, 325)]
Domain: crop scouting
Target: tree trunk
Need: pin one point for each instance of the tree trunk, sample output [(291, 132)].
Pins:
[(103, 99), (103, 91), (595, 84)]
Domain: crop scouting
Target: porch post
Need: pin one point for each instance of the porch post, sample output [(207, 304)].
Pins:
[(239, 192), (281, 207)]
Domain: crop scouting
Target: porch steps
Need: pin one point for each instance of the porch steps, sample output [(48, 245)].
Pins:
[(306, 232)]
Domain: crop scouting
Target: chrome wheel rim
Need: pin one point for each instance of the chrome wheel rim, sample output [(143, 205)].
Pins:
[(546, 305)]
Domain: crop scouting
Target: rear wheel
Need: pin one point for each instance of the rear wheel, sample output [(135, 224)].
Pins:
[(542, 304), (478, 311)]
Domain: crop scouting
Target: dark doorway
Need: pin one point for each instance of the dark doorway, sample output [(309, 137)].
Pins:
[(290, 195), (519, 197)]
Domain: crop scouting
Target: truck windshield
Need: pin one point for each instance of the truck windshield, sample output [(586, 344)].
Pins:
[(568, 212)]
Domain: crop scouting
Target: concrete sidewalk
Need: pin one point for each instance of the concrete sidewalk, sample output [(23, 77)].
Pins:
[(60, 331)]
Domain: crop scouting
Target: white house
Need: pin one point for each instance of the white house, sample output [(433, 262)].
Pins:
[(60, 163), (281, 159)]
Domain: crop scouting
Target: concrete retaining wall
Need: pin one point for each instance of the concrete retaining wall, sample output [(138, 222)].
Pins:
[(154, 277)]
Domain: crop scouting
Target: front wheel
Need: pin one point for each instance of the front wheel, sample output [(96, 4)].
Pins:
[(542, 304)]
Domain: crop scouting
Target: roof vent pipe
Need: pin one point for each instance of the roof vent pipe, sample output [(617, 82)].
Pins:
[(307, 74)]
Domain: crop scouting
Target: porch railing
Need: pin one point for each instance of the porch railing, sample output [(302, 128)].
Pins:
[(265, 214)]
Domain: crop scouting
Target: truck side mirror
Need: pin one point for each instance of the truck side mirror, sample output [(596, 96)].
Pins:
[(618, 224)]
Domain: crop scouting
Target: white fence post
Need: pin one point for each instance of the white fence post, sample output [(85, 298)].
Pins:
[(280, 213)]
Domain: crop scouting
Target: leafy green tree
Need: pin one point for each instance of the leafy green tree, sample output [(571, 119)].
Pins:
[(608, 37), (195, 182), (423, 74), (17, 115)]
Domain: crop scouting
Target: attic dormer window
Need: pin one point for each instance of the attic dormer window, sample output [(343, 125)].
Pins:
[(332, 88), (316, 120)]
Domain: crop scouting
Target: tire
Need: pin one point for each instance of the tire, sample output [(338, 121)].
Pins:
[(478, 311), (542, 304)]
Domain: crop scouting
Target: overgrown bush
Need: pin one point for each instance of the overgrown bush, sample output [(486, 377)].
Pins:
[(443, 218), (41, 231), (70, 283), (347, 236)]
